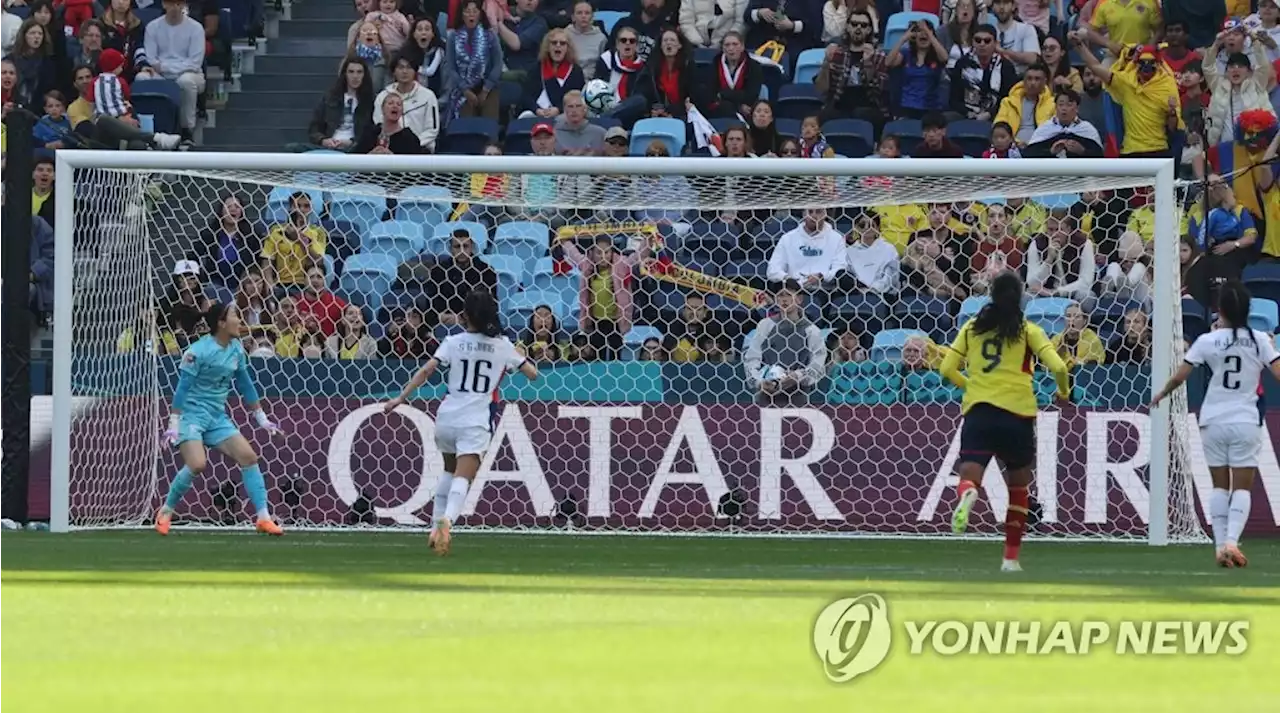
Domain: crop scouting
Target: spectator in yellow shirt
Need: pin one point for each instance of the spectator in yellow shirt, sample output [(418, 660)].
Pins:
[(1147, 92), (81, 110), (1078, 344), (1027, 218), (295, 246), (1029, 104), (1127, 22), (899, 222)]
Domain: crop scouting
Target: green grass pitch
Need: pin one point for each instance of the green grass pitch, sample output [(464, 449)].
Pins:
[(201, 622)]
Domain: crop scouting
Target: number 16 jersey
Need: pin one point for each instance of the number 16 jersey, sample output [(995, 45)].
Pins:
[(1237, 364), (476, 365), (1000, 373)]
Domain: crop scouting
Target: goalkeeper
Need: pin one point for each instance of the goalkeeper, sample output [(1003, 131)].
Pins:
[(198, 417)]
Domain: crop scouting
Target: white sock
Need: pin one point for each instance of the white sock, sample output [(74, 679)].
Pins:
[(1241, 503), (1218, 501), (457, 496), (442, 496), (264, 514)]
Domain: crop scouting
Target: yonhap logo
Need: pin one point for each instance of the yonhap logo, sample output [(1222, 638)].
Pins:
[(852, 636)]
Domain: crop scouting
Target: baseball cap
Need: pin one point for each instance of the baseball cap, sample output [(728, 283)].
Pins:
[(616, 132), (542, 127), (186, 267)]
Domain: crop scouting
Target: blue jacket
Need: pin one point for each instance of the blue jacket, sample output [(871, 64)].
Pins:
[(41, 265)]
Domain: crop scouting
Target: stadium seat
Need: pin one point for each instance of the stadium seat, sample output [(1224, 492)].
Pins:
[(428, 206), (704, 56), (517, 142), (1263, 280), (926, 314), (723, 123), (160, 98), (808, 64), (972, 135), (787, 127), (1049, 313), (858, 305), (367, 279), (362, 205), (668, 131), (405, 299), (1109, 313), (278, 203), (888, 343), (469, 135), (635, 338), (511, 274), (896, 25), (970, 308), (796, 101), (852, 138), (519, 308), (1264, 315), (609, 18), (1058, 200), (604, 122), (743, 271), (908, 131), (526, 240), (1195, 319), (400, 239), (220, 293), (438, 243)]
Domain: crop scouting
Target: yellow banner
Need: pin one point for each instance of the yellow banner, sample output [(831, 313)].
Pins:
[(590, 230), (702, 282)]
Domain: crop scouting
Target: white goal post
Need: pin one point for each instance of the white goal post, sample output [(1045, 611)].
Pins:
[(139, 198)]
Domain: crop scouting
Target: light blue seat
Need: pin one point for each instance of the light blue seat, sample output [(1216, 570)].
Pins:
[(278, 203), (330, 271), (635, 338), (1264, 315), (896, 25), (367, 279), (518, 309), (438, 243), (808, 64), (526, 240), (428, 206), (1058, 200), (1050, 313), (609, 18), (361, 204), (970, 308), (668, 131), (510, 271), (399, 238), (888, 343), (566, 286)]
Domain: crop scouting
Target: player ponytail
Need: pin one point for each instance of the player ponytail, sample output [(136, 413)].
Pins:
[(1233, 307), (215, 314), (481, 311), (1003, 314)]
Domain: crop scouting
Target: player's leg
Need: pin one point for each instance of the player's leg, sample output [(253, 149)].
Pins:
[(237, 447), (441, 502), (1212, 439), (469, 445), (1018, 452), (1243, 454), (194, 460), (975, 454)]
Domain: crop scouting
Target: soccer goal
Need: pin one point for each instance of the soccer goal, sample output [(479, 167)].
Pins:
[(656, 429)]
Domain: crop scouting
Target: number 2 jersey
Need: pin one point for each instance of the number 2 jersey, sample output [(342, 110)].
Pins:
[(1237, 364), (1000, 373), (476, 365)]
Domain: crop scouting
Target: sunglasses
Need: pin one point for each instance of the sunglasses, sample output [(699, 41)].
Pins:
[(559, 43), (626, 40), (983, 40), (654, 153), (862, 25), (617, 142)]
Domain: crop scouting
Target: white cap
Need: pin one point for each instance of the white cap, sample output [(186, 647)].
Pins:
[(186, 267)]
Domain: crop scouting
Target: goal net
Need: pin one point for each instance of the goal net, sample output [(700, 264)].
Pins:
[(639, 287)]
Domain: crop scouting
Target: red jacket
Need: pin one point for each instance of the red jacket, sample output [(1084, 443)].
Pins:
[(326, 307)]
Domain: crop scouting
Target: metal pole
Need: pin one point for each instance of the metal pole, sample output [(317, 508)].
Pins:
[(16, 317)]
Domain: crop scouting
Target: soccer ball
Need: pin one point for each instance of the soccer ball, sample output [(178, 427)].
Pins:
[(599, 96), (772, 373)]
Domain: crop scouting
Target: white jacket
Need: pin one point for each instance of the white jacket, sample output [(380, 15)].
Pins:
[(834, 20), (421, 113), (1039, 270), (798, 254), (1225, 106), (877, 266), (699, 21)]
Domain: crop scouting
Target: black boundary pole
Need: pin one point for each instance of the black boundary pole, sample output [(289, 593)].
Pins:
[(16, 317)]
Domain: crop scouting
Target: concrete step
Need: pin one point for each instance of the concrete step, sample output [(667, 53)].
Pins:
[(324, 11), (247, 121), (315, 28), (332, 47), (298, 64), (277, 82), (304, 99)]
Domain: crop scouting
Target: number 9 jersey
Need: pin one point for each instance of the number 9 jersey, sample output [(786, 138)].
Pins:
[(476, 365), (1000, 373)]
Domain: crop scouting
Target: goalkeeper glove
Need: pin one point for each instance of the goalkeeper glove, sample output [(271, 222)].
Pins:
[(260, 417)]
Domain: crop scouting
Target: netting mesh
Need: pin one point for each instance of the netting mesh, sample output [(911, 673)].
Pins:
[(650, 414)]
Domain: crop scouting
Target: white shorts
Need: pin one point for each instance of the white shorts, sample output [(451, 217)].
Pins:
[(1231, 444), (462, 440)]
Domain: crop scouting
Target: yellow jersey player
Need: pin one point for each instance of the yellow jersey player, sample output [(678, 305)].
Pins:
[(999, 348)]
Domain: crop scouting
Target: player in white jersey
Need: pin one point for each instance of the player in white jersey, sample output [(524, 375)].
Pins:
[(1230, 421), (476, 361)]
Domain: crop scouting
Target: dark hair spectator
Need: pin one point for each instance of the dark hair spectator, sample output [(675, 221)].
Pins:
[(345, 112), (454, 278), (391, 135), (917, 63), (647, 20), (1065, 135), (686, 336), (1019, 41), (92, 36), (1194, 269), (54, 130), (1133, 344), (472, 66), (982, 78), (935, 143), (588, 40), (733, 81), (624, 69), (12, 90), (123, 32), (1060, 261), (1061, 74), (425, 50), (542, 335), (765, 139), (421, 108), (231, 243), (43, 175), (175, 50), (1244, 83), (1029, 104), (1228, 234), (853, 79), (557, 74), (351, 339), (939, 257), (408, 336), (254, 299), (737, 142), (33, 56), (674, 76), (796, 26), (789, 148), (80, 111), (294, 246), (959, 29), (521, 34)]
